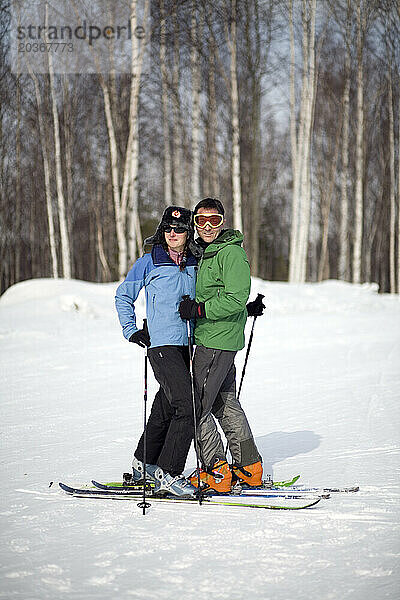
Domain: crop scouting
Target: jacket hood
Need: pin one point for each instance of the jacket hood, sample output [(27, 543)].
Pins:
[(227, 237)]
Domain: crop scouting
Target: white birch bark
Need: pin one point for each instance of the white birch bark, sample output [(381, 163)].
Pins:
[(165, 110), (178, 133), (130, 168), (106, 272), (392, 238), (298, 143), (135, 241), (344, 202), (46, 170), (18, 174), (120, 213), (119, 217), (212, 125), (398, 200), (236, 183), (195, 69), (326, 207), (305, 192), (295, 165), (68, 152), (358, 225), (65, 248)]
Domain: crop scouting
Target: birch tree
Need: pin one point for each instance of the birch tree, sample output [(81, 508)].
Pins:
[(211, 152), (196, 80), (236, 176), (65, 246), (392, 192), (46, 171), (397, 30), (165, 109), (358, 219), (301, 142), (178, 139), (344, 202), (130, 166)]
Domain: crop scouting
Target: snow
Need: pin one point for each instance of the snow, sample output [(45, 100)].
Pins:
[(321, 391)]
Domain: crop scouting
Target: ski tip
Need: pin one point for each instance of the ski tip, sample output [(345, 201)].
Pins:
[(66, 488)]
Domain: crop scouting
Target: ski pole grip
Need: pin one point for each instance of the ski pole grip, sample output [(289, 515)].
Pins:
[(145, 328)]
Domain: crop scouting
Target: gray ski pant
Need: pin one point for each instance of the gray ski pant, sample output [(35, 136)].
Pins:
[(215, 389)]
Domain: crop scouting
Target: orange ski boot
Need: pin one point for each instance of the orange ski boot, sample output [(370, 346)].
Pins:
[(219, 478), (251, 474)]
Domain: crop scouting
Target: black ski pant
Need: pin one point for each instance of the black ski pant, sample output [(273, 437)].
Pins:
[(215, 388), (170, 429)]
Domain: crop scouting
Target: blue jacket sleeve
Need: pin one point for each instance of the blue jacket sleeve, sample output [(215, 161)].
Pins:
[(127, 293)]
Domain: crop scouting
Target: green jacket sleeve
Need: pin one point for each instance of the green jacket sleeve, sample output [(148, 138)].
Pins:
[(234, 293)]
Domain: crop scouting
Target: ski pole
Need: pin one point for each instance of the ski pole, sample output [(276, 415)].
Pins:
[(245, 362), (144, 504), (194, 404), (248, 350)]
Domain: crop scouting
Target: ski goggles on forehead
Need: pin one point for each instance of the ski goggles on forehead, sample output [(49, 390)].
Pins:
[(178, 229), (213, 220)]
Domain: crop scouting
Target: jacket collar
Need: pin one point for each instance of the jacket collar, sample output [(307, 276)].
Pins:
[(161, 257)]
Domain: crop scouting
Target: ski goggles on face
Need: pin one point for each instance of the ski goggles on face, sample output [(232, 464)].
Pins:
[(213, 220), (169, 228)]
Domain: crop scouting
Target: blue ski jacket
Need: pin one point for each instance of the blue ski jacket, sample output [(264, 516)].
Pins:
[(165, 284)]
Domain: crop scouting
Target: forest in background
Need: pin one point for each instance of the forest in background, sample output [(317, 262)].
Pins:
[(286, 110)]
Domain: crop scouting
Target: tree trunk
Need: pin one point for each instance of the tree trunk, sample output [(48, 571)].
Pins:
[(344, 202), (165, 110), (236, 175), (294, 151), (195, 67), (178, 130), (46, 170), (68, 156), (358, 233), (253, 63), (135, 241), (305, 192), (121, 201), (301, 146), (119, 216), (65, 249), (392, 239), (212, 155), (106, 272), (326, 208), (398, 197), (131, 167), (18, 176)]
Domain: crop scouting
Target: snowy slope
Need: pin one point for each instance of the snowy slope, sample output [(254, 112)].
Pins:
[(321, 391)]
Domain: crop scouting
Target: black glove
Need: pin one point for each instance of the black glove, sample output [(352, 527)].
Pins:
[(190, 309), (256, 308), (141, 337)]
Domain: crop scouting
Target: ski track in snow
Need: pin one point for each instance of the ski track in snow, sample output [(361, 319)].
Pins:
[(321, 391)]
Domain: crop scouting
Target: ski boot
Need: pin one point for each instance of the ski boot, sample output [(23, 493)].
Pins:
[(176, 485), (217, 478), (250, 475)]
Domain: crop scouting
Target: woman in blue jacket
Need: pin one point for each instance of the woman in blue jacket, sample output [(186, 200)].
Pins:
[(167, 273)]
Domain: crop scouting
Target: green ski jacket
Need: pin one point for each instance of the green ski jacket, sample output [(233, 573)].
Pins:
[(223, 284)]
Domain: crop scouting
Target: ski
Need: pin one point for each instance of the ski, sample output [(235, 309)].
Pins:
[(236, 491), (327, 490), (125, 484), (117, 485), (124, 494)]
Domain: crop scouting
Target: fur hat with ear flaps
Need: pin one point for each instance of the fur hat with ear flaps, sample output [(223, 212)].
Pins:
[(178, 217)]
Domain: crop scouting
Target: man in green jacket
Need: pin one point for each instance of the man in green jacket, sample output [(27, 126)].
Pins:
[(222, 291)]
